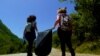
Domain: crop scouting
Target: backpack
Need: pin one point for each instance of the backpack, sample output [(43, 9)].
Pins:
[(65, 23), (29, 32), (29, 26)]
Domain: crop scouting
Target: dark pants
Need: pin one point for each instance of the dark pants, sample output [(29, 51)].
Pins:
[(29, 47), (65, 39), (30, 38)]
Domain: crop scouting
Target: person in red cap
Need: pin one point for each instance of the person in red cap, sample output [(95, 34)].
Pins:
[(64, 30), (29, 33)]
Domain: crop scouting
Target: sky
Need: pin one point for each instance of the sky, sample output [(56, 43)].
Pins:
[(14, 13)]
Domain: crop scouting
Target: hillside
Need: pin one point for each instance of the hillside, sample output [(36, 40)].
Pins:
[(9, 43)]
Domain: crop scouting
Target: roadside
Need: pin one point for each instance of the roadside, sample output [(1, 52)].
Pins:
[(54, 52)]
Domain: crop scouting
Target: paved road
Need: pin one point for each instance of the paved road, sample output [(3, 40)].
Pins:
[(54, 52)]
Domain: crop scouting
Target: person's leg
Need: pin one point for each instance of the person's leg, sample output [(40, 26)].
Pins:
[(30, 44), (71, 49), (62, 40), (63, 47), (69, 44), (28, 49)]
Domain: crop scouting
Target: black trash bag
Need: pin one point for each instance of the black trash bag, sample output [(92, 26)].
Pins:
[(43, 43)]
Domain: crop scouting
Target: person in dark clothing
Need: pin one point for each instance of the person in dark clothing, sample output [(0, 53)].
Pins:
[(29, 33), (64, 30)]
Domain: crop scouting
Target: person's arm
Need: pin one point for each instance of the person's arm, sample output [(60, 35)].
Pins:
[(57, 21), (24, 39), (24, 33), (36, 27)]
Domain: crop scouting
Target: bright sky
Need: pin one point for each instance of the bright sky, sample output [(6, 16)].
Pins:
[(14, 13)]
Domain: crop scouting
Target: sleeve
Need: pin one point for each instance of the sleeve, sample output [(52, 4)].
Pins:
[(58, 17)]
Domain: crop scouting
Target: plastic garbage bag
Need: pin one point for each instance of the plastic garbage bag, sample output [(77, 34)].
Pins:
[(43, 43)]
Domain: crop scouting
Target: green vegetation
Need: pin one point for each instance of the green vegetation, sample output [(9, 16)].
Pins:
[(88, 29), (9, 43)]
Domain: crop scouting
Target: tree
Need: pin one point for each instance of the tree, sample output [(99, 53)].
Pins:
[(89, 15), (90, 19)]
